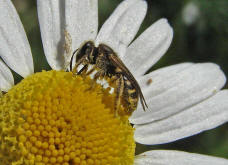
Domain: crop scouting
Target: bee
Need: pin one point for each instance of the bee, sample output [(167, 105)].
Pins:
[(106, 62)]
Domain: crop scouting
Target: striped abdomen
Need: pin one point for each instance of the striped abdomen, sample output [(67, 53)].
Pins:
[(130, 96)]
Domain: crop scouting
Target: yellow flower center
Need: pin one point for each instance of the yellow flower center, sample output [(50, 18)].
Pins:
[(56, 118)]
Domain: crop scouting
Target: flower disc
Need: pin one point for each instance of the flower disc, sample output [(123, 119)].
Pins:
[(56, 118)]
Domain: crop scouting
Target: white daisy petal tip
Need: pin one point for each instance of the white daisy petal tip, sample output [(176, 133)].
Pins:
[(149, 47), (121, 27), (51, 21), (176, 88), (165, 27), (55, 17), (15, 48), (164, 157), (165, 22), (201, 117), (77, 12)]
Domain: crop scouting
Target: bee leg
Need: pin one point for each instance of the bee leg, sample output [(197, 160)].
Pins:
[(119, 93), (81, 61), (112, 80), (99, 74), (91, 71), (83, 71)]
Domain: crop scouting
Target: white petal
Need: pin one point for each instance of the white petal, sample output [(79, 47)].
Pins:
[(122, 26), (6, 77), (149, 47), (203, 116), (14, 47), (81, 20), (168, 157), (176, 88), (52, 23)]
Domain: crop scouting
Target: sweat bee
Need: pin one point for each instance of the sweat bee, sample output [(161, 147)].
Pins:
[(106, 62)]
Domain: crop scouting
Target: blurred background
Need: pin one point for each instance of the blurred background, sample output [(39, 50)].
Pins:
[(200, 35)]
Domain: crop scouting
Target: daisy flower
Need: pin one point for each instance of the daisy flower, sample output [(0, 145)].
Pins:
[(51, 117)]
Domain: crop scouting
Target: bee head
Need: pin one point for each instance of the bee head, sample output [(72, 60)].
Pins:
[(86, 50)]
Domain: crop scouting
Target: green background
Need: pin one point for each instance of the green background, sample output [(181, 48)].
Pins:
[(205, 40)]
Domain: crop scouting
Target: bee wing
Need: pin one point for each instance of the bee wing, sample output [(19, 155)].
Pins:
[(117, 62)]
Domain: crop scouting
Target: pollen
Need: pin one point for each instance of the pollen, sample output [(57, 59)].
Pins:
[(54, 117)]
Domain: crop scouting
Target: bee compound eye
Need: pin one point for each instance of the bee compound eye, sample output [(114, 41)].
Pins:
[(88, 47), (89, 44)]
